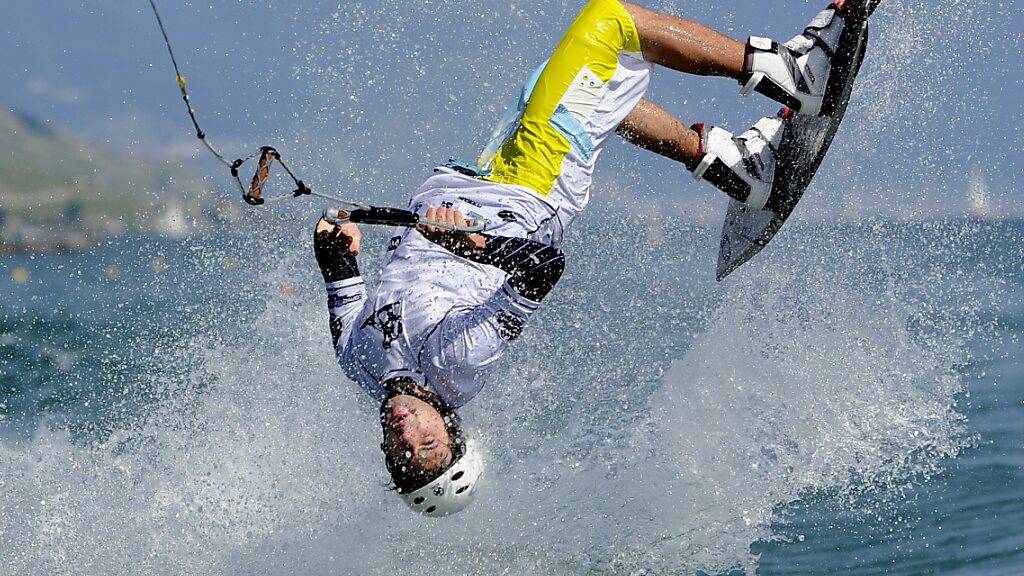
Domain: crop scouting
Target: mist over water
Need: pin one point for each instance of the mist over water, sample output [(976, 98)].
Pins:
[(648, 421)]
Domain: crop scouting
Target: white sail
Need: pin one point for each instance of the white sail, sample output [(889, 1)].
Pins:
[(980, 206), (172, 223)]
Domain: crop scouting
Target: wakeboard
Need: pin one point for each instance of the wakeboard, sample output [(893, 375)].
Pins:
[(805, 141)]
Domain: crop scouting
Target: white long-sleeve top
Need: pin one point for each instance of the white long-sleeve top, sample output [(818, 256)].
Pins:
[(437, 318)]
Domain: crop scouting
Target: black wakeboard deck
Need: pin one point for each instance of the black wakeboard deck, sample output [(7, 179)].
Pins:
[(805, 141)]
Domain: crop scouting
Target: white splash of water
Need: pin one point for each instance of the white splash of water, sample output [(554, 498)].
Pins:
[(807, 380)]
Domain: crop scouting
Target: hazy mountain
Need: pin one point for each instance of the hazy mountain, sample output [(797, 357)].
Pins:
[(58, 191), (46, 171)]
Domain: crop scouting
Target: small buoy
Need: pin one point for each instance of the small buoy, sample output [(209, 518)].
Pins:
[(113, 272), (158, 265), (20, 275)]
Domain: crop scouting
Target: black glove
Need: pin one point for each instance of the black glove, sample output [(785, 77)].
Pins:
[(331, 248)]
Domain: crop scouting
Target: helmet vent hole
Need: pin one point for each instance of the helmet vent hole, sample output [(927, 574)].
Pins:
[(431, 509), (458, 475), (463, 489), (418, 500)]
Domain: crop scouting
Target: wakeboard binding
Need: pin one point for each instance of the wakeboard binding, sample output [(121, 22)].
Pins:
[(741, 166), (796, 73)]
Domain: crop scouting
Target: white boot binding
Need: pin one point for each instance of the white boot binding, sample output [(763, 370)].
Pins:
[(795, 73), (744, 166)]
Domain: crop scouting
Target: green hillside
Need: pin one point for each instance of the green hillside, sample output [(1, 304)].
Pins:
[(44, 172)]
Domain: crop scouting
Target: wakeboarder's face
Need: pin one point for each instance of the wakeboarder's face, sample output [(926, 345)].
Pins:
[(415, 435)]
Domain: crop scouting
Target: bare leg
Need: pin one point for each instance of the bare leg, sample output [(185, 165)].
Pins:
[(685, 45), (654, 129)]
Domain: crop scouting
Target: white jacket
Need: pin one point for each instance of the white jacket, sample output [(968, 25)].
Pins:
[(435, 317)]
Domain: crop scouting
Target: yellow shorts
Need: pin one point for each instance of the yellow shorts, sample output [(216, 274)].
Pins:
[(592, 81)]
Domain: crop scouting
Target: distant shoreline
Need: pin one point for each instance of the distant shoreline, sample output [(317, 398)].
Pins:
[(71, 240)]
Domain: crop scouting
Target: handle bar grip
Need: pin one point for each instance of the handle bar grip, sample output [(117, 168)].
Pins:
[(384, 217), (393, 217)]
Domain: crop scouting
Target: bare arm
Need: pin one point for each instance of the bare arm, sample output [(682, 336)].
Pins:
[(533, 268)]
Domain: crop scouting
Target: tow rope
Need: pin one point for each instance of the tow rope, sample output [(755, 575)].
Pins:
[(267, 155)]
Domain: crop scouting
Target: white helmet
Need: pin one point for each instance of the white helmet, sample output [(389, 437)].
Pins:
[(453, 490)]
